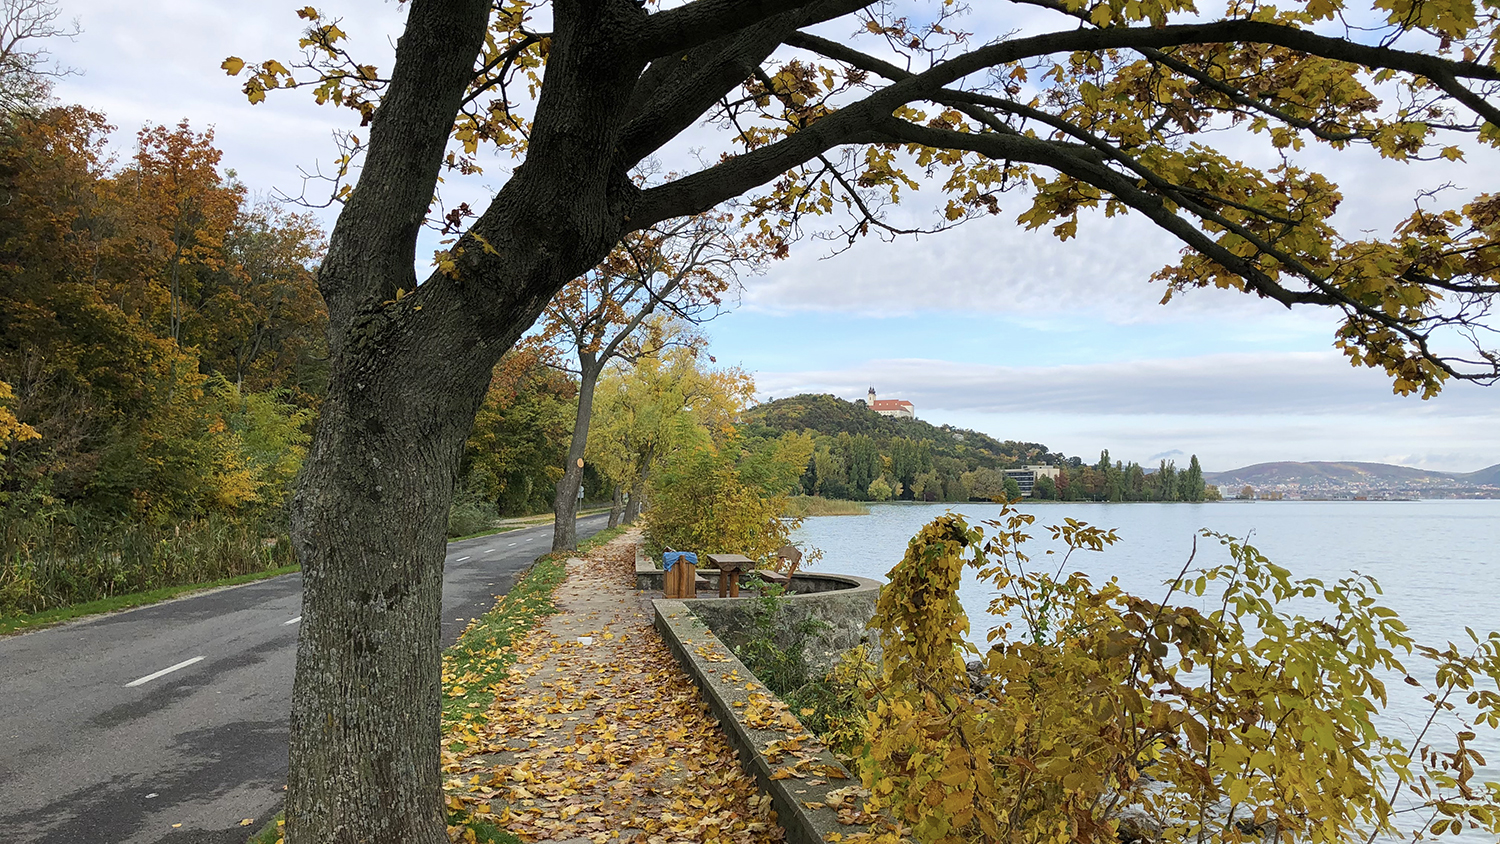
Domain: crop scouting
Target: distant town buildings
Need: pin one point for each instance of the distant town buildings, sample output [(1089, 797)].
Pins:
[(899, 408)]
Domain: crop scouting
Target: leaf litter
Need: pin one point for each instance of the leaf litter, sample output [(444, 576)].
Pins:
[(608, 741)]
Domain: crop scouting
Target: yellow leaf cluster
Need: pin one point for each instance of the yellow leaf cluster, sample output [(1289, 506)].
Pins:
[(12, 430)]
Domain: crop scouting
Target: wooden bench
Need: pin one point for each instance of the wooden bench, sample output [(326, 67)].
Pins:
[(775, 577)]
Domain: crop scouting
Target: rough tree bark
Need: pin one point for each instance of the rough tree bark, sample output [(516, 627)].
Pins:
[(407, 375)]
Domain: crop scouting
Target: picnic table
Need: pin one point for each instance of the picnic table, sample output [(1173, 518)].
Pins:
[(730, 568)]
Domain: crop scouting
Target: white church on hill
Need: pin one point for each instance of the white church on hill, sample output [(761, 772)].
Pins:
[(899, 408)]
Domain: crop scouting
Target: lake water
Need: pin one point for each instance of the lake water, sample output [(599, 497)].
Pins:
[(1438, 562)]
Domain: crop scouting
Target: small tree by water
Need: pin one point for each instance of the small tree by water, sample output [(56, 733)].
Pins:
[(1103, 715)]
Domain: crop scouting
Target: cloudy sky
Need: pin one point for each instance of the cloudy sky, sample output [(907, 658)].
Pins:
[(987, 327)]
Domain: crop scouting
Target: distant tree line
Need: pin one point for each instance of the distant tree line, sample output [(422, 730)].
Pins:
[(863, 456), (1106, 481)]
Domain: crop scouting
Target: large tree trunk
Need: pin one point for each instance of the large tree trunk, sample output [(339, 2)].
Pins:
[(565, 505), (371, 522), (407, 374)]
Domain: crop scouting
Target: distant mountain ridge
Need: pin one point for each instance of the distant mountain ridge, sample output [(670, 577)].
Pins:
[(1332, 476)]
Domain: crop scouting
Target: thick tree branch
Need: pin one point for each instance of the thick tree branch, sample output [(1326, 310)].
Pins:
[(1324, 291), (677, 90), (700, 78), (723, 181), (1093, 172), (375, 239)]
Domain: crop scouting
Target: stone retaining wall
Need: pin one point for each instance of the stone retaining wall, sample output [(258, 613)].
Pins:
[(731, 690)]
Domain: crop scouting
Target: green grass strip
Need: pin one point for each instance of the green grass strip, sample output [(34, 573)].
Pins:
[(484, 653), (46, 618), (270, 833)]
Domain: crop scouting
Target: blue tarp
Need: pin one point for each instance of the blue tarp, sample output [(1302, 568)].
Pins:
[(671, 557)]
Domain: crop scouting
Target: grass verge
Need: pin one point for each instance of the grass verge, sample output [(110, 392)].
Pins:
[(46, 618), (270, 833), (483, 653)]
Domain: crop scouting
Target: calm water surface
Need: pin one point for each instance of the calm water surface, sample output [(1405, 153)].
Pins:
[(1438, 562)]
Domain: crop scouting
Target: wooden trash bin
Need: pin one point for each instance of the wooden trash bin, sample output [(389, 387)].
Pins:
[(680, 578)]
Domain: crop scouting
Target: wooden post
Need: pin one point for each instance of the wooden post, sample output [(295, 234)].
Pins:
[(681, 580)]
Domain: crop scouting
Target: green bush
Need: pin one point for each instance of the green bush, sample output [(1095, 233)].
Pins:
[(830, 705), (467, 517), (700, 503)]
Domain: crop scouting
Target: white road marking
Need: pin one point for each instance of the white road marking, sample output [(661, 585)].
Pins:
[(149, 677), (460, 559), (292, 621), (489, 550), (512, 545)]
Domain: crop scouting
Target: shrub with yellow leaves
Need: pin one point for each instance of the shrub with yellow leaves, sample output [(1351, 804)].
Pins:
[(1101, 716)]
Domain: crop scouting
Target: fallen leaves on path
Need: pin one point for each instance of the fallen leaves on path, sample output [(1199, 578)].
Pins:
[(609, 740)]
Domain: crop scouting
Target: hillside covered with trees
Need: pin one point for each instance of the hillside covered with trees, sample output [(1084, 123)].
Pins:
[(864, 456)]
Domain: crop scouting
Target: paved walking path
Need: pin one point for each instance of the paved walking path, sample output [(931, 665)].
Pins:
[(605, 740)]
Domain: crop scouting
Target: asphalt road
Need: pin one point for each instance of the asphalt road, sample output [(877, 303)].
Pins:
[(168, 723)]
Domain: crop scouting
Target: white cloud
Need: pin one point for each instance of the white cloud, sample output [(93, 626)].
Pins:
[(1294, 383)]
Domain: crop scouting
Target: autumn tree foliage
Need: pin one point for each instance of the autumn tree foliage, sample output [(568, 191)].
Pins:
[(514, 456), (665, 399), (162, 338), (1099, 715), (814, 114), (681, 269), (668, 428)]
